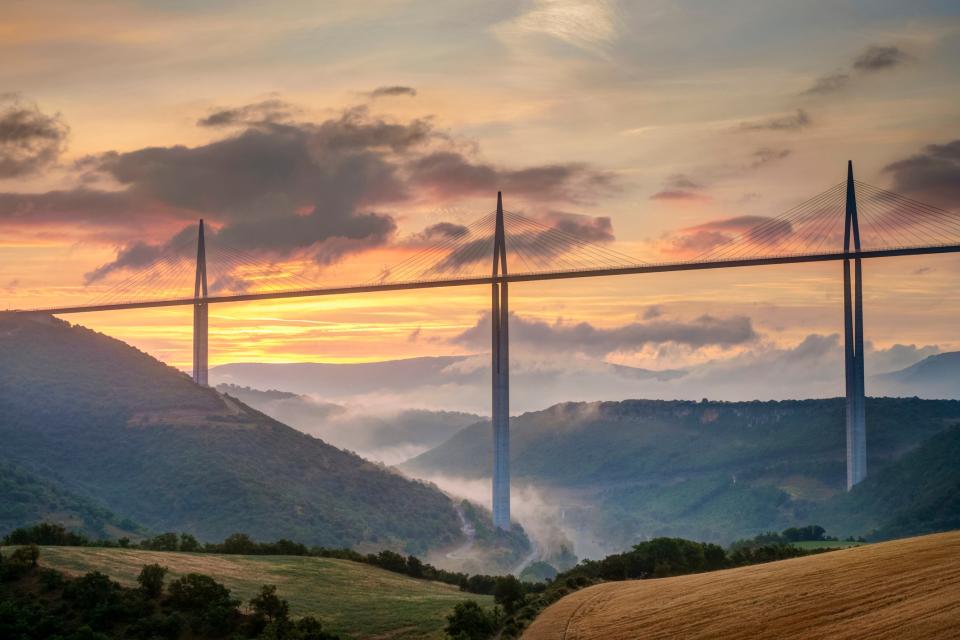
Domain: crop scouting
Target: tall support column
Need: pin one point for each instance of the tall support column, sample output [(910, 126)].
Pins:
[(853, 343), (500, 355), (200, 314)]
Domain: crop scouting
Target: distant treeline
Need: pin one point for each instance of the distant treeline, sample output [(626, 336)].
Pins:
[(38, 603), (50, 534)]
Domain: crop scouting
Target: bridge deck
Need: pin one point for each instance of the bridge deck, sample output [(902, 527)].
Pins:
[(513, 277)]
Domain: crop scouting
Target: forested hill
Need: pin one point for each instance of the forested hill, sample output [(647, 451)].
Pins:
[(580, 443), (919, 493), (703, 470), (82, 410), (27, 498)]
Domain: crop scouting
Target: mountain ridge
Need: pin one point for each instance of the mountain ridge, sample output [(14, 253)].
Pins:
[(119, 427)]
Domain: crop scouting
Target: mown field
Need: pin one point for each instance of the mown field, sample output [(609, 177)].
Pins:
[(892, 590), (352, 599)]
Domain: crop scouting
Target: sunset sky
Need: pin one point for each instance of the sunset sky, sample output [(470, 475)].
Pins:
[(334, 139)]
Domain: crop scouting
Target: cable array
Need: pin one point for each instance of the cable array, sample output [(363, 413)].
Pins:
[(887, 220), (808, 227), (533, 246)]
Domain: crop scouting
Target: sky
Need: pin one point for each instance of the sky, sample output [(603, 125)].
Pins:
[(333, 140)]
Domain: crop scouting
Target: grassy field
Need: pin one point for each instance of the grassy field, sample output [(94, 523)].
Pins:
[(826, 544), (902, 589), (352, 599)]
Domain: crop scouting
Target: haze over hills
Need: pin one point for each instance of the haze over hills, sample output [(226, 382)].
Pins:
[(125, 431), (385, 436), (446, 383), (811, 369), (717, 471)]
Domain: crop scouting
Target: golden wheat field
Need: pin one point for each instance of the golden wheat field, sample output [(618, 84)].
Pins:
[(904, 590)]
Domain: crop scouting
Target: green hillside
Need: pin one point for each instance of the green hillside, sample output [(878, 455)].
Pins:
[(85, 411), (27, 498), (920, 493), (352, 599), (702, 470)]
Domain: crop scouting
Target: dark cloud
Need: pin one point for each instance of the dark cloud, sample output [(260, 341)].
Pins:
[(85, 209), (288, 189), (394, 90), (678, 187), (533, 244), (281, 188), (877, 58), (709, 235), (830, 83), (139, 255), (442, 231), (768, 155), (449, 174), (272, 110), (583, 337), (933, 175), (30, 140), (653, 311), (587, 228), (793, 122), (873, 58)]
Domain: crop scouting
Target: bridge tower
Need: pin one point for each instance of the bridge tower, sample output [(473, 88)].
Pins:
[(200, 314), (853, 343), (500, 354)]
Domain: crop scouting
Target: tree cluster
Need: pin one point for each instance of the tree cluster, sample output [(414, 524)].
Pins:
[(40, 603)]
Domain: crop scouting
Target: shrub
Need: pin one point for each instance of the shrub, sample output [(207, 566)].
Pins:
[(469, 621), (151, 580)]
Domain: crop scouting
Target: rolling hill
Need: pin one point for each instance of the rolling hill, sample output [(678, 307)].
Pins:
[(712, 471), (902, 589), (140, 439), (354, 600), (936, 376)]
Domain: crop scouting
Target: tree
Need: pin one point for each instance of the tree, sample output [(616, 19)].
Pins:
[(269, 605), (26, 556), (391, 561), (163, 542), (309, 628), (207, 602), (509, 593), (188, 543), (45, 533), (470, 622), (414, 567), (151, 580), (809, 532), (239, 543)]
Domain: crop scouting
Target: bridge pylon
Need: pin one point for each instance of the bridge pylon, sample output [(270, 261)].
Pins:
[(200, 313), (500, 354), (853, 343)]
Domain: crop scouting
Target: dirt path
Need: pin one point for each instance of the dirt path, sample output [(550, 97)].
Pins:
[(902, 589)]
